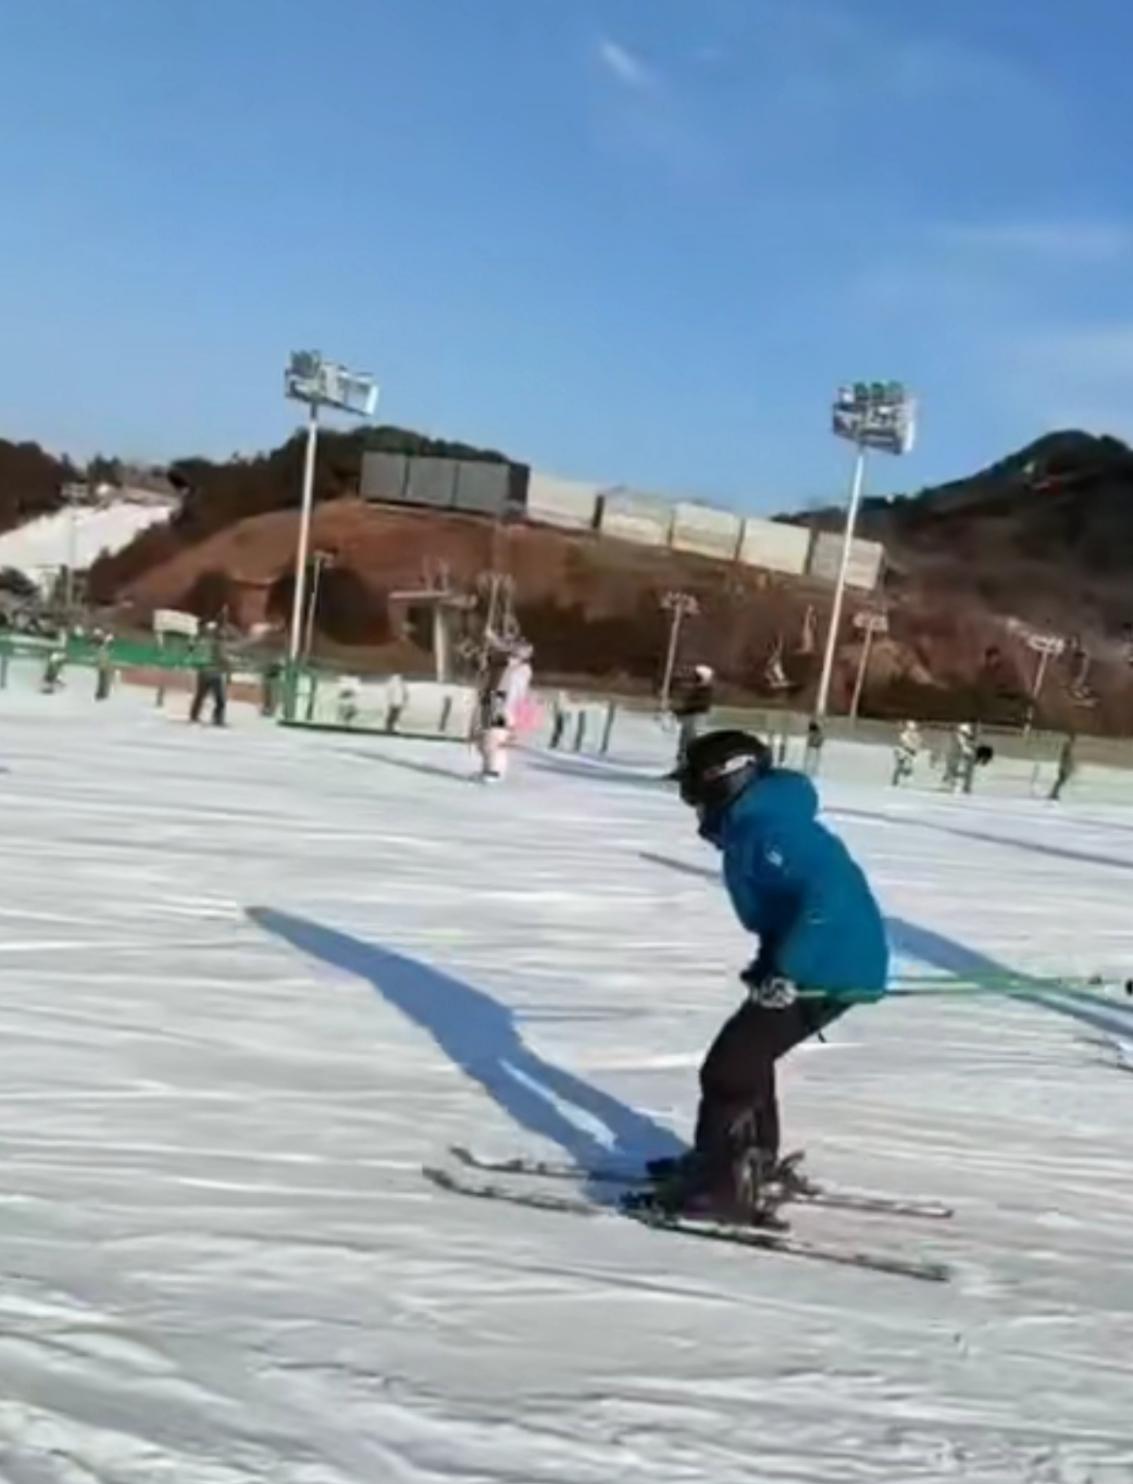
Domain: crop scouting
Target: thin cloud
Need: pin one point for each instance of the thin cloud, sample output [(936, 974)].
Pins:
[(1050, 241), (625, 66)]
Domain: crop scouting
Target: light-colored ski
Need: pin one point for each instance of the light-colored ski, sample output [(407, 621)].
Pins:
[(811, 1194), (786, 1245)]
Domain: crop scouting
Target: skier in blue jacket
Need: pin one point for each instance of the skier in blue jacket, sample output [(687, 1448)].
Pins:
[(796, 886)]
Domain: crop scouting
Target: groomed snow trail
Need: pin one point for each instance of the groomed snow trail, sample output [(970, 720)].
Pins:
[(251, 980)]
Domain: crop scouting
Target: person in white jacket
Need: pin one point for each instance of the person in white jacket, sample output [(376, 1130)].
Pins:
[(505, 690), (960, 761), (905, 754)]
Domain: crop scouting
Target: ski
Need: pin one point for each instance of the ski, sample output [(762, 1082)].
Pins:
[(783, 1243), (810, 1194)]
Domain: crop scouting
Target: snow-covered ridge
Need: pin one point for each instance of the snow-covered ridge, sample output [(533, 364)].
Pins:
[(80, 534)]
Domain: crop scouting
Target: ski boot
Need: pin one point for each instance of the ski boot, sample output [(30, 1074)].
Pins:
[(736, 1191)]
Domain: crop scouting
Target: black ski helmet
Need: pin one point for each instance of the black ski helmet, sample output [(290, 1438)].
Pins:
[(718, 766)]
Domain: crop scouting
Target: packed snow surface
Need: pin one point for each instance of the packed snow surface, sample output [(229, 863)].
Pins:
[(250, 980)]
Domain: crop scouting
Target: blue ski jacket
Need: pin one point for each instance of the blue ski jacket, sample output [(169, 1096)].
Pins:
[(796, 885)]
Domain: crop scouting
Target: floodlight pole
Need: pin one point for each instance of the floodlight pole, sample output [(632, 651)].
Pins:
[(304, 536), (320, 562), (856, 485)]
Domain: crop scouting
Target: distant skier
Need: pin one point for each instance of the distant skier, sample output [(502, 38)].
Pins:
[(213, 667), (796, 886), (812, 752), (691, 706), (560, 718), (346, 700), (1067, 765), (53, 671), (905, 754), (271, 682), (104, 666), (503, 696), (397, 698), (960, 760)]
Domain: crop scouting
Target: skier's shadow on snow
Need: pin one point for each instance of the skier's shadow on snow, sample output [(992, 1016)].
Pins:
[(939, 952), (600, 772), (409, 765), (480, 1036), (1033, 847)]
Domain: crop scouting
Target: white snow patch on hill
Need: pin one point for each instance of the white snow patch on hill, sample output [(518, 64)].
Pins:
[(42, 546)]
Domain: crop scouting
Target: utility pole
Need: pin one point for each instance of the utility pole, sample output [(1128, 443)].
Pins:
[(679, 606)]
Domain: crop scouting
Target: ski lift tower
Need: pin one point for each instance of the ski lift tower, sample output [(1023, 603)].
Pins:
[(869, 414), (1048, 647), (319, 383)]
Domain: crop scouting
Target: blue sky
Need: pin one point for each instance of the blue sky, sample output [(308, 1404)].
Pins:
[(639, 241)]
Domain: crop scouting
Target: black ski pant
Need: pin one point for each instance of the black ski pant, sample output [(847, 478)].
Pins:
[(738, 1103), (209, 685)]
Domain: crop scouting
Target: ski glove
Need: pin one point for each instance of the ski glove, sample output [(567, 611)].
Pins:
[(771, 991)]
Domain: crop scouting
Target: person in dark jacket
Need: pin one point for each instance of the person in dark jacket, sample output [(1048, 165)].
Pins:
[(104, 665), (822, 946), (213, 668), (1067, 765)]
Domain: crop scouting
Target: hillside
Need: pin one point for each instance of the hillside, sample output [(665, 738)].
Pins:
[(1046, 534), (591, 607), (30, 482), (216, 496), (1041, 540)]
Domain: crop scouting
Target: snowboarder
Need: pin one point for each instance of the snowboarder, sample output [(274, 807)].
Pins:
[(212, 675), (905, 754), (797, 887), (502, 697), (1067, 766), (692, 705)]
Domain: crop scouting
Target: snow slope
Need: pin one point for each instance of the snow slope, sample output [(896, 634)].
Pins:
[(250, 980), (45, 544)]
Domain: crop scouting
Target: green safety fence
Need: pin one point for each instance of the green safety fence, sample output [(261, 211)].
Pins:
[(296, 687)]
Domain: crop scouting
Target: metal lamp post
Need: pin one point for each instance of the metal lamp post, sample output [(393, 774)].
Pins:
[(74, 495), (319, 383), (870, 624), (870, 414), (322, 560), (680, 606)]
